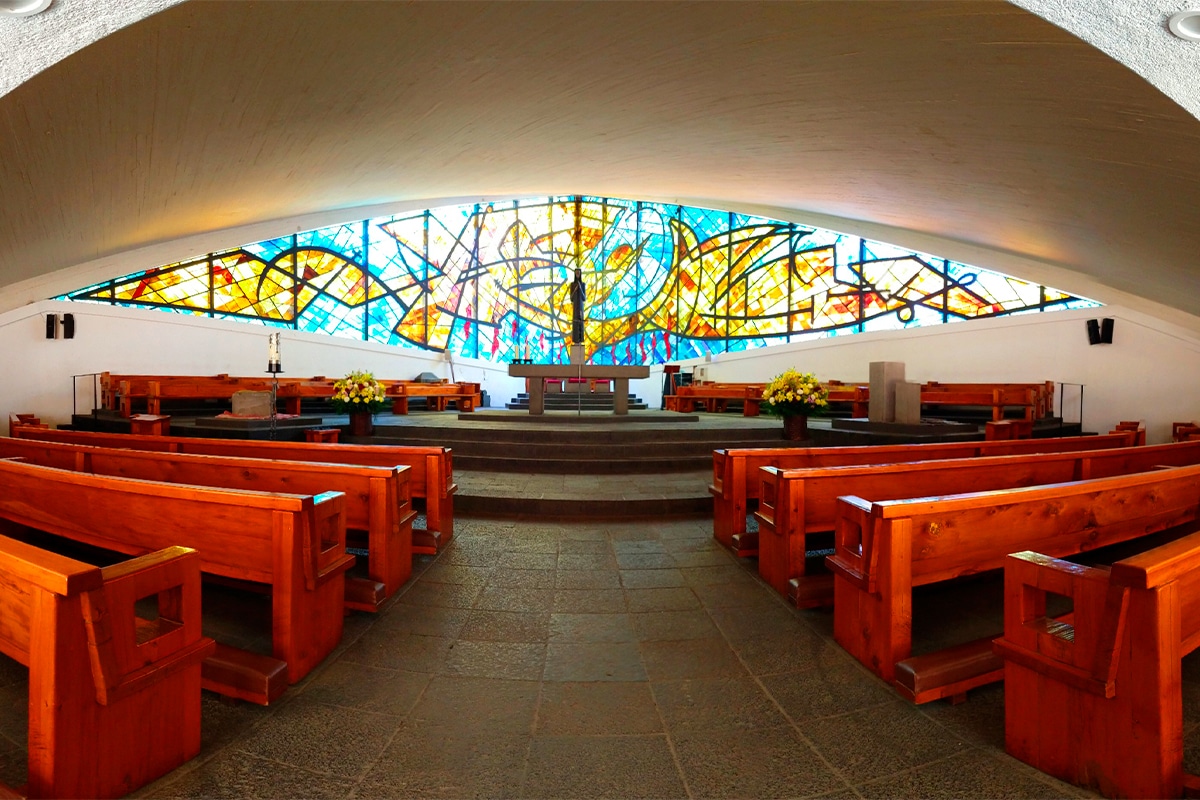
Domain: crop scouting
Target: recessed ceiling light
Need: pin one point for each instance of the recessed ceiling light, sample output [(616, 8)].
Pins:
[(23, 8), (1185, 25)]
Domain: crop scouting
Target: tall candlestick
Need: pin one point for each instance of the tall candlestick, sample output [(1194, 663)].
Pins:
[(273, 353)]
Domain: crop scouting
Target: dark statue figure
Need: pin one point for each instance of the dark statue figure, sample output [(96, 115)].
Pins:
[(578, 297)]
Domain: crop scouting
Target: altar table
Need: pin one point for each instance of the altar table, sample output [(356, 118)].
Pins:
[(537, 388)]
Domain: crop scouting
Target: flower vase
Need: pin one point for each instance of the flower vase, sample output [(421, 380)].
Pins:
[(362, 423), (795, 427)]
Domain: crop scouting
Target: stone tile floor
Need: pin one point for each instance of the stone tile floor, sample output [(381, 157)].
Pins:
[(631, 659)]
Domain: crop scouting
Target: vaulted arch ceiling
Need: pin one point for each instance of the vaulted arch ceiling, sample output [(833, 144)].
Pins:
[(972, 129)]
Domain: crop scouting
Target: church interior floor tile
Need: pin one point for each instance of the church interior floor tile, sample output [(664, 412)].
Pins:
[(594, 659)]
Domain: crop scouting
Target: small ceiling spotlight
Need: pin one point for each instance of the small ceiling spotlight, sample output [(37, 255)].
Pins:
[(1186, 25), (23, 8)]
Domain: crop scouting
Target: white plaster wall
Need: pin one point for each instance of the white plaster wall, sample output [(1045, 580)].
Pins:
[(1150, 372), (37, 371)]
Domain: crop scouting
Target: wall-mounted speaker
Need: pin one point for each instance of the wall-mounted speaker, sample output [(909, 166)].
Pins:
[(68, 323), (1100, 331), (51, 326)]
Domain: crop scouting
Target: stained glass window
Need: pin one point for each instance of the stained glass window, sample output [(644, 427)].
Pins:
[(664, 282)]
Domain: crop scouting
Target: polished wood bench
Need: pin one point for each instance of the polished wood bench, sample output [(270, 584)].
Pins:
[(1184, 431), (1008, 429), (119, 392), (998, 399), (1040, 394), (797, 504), (883, 550), (378, 500), (714, 397), (114, 699), (854, 397), (1096, 698), (294, 543), (25, 421), (736, 482), (431, 478), (1135, 427), (465, 396)]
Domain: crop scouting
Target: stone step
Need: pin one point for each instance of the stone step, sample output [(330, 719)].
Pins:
[(534, 447), (631, 436), (575, 496), (569, 465)]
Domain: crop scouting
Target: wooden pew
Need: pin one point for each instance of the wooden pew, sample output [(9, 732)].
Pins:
[(799, 503), (377, 499), (1096, 699), (114, 699), (1008, 429), (855, 398), (1184, 431), (736, 482), (119, 391), (713, 397), (195, 388), (1042, 393), (294, 543), (465, 396), (1136, 427), (430, 479), (24, 420), (999, 399), (884, 549)]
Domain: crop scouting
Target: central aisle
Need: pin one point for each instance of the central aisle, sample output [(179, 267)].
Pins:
[(629, 659)]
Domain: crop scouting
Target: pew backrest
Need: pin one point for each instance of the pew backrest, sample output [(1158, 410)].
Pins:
[(956, 535), (736, 481), (431, 477), (815, 491), (233, 530), (377, 499), (432, 467), (734, 468)]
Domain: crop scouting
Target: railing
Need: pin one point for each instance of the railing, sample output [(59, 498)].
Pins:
[(95, 376)]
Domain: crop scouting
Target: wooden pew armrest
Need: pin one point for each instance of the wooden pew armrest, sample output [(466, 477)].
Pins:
[(1049, 645), (324, 546), (854, 551), (127, 657)]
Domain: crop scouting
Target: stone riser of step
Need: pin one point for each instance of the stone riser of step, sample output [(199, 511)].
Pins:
[(574, 508), (570, 404), (629, 465), (534, 449), (633, 436)]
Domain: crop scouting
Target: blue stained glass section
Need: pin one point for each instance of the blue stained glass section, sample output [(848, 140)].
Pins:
[(664, 282)]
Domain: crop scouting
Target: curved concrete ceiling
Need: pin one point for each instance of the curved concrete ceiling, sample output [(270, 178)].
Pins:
[(976, 125)]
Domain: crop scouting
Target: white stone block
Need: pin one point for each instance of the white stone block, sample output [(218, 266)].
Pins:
[(884, 377)]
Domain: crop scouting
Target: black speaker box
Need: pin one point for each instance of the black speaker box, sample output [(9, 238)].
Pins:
[(51, 326), (68, 321), (1100, 331)]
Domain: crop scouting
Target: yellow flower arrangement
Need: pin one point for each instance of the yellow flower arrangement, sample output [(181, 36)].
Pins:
[(794, 393), (358, 391)]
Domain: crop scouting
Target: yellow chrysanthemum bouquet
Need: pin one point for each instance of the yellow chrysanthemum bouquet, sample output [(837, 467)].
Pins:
[(358, 391), (795, 394)]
